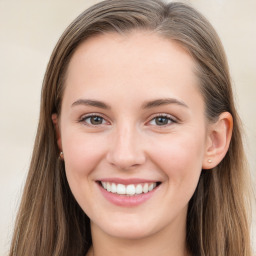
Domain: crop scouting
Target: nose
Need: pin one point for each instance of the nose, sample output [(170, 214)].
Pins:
[(126, 150)]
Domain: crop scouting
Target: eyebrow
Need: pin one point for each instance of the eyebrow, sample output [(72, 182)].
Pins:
[(88, 102), (161, 102), (149, 104)]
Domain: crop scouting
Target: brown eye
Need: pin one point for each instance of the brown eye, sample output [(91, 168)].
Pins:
[(96, 120), (93, 120), (162, 120)]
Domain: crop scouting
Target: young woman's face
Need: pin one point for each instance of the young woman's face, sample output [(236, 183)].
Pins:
[(132, 120)]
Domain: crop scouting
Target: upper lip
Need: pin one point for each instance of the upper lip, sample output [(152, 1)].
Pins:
[(127, 181)]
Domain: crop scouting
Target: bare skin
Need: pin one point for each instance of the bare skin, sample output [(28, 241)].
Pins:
[(132, 110)]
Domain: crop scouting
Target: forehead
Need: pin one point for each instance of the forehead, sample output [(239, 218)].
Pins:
[(146, 49), (139, 60)]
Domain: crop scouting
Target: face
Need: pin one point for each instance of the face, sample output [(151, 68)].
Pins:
[(133, 133)]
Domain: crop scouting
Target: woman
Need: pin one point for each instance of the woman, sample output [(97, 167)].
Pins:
[(138, 149)]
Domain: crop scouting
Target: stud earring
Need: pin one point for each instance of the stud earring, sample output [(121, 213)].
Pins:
[(61, 155), (209, 160)]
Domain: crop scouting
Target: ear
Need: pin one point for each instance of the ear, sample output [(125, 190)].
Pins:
[(218, 140), (57, 130)]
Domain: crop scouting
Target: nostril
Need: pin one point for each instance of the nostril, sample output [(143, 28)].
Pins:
[(125, 151), (125, 161)]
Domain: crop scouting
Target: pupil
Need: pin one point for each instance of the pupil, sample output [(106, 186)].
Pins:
[(161, 120), (96, 120)]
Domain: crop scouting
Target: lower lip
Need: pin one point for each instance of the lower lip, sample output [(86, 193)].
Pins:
[(127, 201)]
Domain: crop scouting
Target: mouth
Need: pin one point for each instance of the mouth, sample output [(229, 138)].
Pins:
[(128, 189)]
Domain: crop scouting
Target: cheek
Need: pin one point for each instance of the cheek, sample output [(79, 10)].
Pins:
[(180, 157), (180, 149), (81, 153)]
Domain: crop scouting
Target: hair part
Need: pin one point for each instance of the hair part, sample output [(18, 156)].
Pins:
[(50, 222)]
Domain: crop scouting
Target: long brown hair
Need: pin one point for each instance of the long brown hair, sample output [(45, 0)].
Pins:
[(50, 222)]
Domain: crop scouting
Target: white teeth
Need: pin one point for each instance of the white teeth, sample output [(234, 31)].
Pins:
[(104, 184), (145, 188), (120, 189), (113, 188), (130, 189), (150, 187), (138, 189), (108, 187)]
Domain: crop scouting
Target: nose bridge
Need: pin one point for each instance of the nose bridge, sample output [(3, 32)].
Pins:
[(126, 150)]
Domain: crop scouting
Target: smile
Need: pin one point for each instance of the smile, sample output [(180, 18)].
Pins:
[(128, 190)]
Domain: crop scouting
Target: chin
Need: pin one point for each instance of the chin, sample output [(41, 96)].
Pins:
[(132, 233), (128, 230)]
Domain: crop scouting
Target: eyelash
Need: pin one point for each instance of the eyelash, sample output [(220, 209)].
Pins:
[(83, 119), (170, 119)]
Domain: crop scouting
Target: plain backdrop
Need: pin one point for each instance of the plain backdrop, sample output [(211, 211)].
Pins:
[(28, 32)]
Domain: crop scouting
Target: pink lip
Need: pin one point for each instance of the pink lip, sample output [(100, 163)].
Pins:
[(127, 181), (126, 201)]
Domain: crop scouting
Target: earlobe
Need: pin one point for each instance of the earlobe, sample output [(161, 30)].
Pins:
[(218, 140), (57, 130)]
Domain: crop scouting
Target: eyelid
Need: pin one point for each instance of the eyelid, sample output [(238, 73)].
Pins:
[(84, 117), (172, 118)]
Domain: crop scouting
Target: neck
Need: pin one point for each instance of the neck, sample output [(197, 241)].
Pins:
[(164, 243)]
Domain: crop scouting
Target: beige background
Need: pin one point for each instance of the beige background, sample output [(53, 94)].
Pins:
[(28, 32)]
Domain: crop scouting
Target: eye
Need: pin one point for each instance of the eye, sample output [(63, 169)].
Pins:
[(162, 120), (93, 120)]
